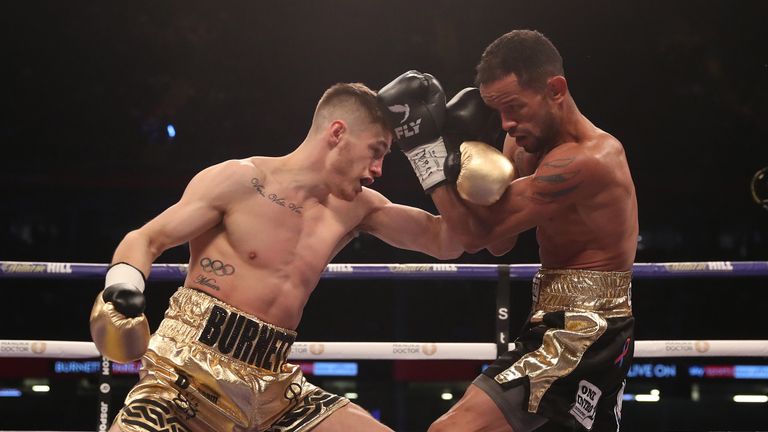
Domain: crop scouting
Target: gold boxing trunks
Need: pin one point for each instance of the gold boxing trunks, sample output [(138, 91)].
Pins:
[(212, 367), (570, 362)]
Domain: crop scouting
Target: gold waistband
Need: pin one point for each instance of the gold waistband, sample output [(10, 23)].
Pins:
[(606, 292), (194, 316)]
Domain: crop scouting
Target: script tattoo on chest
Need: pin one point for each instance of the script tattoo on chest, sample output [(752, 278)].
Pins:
[(276, 199)]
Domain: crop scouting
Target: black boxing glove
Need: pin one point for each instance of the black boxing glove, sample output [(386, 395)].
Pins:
[(481, 172), (416, 102), (468, 118)]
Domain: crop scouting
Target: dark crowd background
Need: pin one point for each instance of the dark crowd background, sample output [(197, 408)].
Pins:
[(91, 87)]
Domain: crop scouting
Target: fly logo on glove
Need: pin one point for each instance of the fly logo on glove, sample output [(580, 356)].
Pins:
[(407, 130), (417, 103), (397, 109), (444, 142)]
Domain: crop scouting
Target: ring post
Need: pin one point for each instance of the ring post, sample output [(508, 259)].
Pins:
[(502, 310)]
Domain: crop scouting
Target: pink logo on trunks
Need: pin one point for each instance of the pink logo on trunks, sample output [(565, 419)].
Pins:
[(624, 351)]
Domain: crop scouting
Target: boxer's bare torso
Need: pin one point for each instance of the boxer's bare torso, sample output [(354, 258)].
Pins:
[(573, 185), (260, 237), (267, 252), (596, 229)]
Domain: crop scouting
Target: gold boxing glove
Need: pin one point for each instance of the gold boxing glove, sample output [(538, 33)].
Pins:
[(118, 325), (484, 173)]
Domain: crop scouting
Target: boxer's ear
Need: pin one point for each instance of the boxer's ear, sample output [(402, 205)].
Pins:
[(337, 130), (557, 88)]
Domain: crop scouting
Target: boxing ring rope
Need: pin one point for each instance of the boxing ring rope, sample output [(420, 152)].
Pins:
[(404, 350), (408, 350), (392, 350), (177, 272)]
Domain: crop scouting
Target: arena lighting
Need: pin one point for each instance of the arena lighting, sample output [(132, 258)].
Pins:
[(695, 392), (10, 392), (93, 367), (75, 366), (335, 369), (750, 398), (647, 398), (171, 131), (729, 371), (350, 395), (41, 388), (446, 396), (655, 392)]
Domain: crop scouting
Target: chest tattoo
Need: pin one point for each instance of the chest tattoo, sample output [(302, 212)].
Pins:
[(274, 198)]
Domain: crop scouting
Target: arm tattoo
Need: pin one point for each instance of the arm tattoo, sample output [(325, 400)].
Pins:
[(216, 267), (550, 196), (259, 186), (555, 178), (559, 163), (209, 282)]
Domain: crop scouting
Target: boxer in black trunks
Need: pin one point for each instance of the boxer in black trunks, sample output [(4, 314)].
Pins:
[(572, 183)]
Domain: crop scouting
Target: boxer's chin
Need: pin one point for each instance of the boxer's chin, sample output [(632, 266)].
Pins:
[(347, 193)]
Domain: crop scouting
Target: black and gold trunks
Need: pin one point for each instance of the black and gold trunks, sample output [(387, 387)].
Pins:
[(570, 362)]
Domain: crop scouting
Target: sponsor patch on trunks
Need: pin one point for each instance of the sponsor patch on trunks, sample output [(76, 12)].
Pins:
[(585, 406)]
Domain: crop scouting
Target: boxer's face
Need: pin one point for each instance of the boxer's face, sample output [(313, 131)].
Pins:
[(358, 160), (526, 113)]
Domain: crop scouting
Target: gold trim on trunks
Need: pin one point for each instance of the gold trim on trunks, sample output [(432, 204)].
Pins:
[(587, 299), (239, 337), (608, 293)]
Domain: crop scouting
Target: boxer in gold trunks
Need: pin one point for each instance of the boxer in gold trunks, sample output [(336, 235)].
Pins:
[(261, 231), (572, 183)]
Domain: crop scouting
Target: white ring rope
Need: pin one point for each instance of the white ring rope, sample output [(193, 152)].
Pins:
[(408, 350)]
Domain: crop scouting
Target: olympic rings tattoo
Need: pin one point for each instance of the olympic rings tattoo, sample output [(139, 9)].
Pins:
[(217, 267)]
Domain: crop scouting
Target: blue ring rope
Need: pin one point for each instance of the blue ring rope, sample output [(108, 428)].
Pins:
[(177, 272)]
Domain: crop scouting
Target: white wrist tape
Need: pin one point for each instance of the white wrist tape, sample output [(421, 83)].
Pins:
[(427, 161), (124, 273)]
